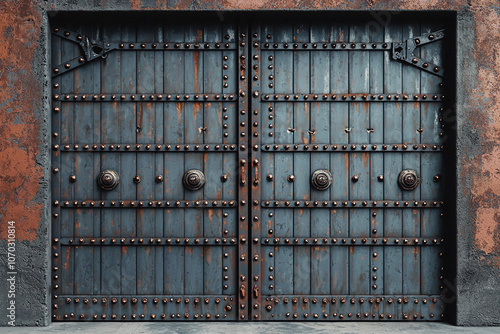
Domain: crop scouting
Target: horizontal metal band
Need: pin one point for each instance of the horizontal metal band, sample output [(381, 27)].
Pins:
[(354, 147), (143, 97), (352, 307), (352, 97), (336, 46), (144, 307), (137, 46), (146, 241), (109, 300), (353, 299), (144, 147), (318, 241), (145, 204), (172, 46), (361, 204)]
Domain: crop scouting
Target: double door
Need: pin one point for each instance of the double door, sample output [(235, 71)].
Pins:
[(233, 170)]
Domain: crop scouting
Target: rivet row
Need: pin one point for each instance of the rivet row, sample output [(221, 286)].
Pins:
[(134, 316), (353, 204), (352, 241), (145, 147), (346, 97), (174, 45), (152, 204), (352, 300), (141, 97), (328, 46), (179, 241), (354, 147)]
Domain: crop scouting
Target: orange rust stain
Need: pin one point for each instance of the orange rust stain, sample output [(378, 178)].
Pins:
[(305, 137), (124, 250), (208, 255), (178, 107), (312, 4), (68, 255), (366, 159), (148, 250), (196, 56), (20, 93), (487, 230), (484, 118), (485, 98)]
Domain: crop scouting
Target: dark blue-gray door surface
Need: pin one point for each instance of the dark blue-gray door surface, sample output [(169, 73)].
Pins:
[(333, 100), (280, 170), (154, 107)]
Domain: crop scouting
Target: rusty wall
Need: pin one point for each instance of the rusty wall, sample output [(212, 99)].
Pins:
[(24, 138)]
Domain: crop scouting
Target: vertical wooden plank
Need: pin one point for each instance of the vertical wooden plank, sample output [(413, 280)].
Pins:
[(359, 167), (431, 165), (283, 162), (110, 274), (158, 192), (301, 162), (339, 162), (173, 162), (67, 135), (96, 138), (411, 136), (230, 135), (128, 128), (145, 120), (193, 64), (320, 122), (84, 185), (392, 164), (212, 71), (376, 134)]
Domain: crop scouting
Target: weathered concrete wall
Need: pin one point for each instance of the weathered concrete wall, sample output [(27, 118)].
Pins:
[(24, 157)]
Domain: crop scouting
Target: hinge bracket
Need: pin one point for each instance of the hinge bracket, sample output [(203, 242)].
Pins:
[(404, 51), (91, 49)]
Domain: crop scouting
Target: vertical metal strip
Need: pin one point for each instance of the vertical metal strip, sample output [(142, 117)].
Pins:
[(256, 167), (243, 177), (56, 169)]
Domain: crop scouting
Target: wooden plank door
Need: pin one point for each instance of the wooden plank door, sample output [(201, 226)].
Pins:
[(207, 170), (347, 222), (149, 170)]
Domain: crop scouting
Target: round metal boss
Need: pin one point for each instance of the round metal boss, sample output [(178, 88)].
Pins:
[(194, 179), (108, 179), (321, 179), (408, 179)]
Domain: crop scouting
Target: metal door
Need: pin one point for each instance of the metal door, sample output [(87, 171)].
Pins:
[(348, 156), (204, 170), (148, 184)]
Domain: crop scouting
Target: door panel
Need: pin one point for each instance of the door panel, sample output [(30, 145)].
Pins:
[(315, 158), (331, 97), (163, 101)]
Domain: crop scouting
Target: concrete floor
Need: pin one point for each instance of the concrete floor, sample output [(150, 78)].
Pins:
[(252, 328)]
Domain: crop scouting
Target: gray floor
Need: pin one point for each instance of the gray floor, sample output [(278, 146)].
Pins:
[(236, 328)]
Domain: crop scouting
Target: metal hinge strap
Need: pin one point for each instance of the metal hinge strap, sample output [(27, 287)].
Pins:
[(404, 51)]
